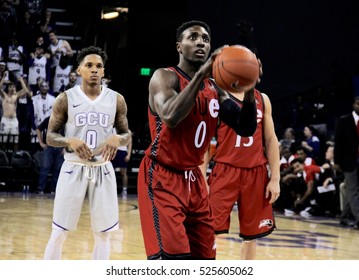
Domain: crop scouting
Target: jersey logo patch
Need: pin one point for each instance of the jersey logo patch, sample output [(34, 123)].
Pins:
[(77, 105), (266, 223)]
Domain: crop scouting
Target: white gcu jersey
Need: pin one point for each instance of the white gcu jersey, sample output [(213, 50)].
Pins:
[(90, 120), (14, 53), (61, 77), (56, 56), (42, 107), (37, 69)]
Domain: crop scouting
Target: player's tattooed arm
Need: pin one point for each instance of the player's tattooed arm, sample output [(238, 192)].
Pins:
[(57, 122), (122, 136), (121, 122)]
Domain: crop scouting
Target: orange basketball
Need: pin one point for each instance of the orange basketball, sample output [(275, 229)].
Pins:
[(235, 69)]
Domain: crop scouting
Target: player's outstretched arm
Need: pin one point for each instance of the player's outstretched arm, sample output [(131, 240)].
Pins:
[(242, 120)]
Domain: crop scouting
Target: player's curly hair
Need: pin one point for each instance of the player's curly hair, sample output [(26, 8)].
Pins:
[(91, 50), (188, 24)]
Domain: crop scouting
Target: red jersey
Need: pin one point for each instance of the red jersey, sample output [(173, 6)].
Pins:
[(310, 172), (184, 146), (239, 151)]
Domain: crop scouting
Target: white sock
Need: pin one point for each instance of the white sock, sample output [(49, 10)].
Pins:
[(102, 246), (53, 249)]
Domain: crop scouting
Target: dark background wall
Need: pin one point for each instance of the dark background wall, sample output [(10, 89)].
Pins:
[(305, 46)]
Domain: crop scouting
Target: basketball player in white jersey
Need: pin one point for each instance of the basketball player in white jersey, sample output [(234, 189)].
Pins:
[(87, 113)]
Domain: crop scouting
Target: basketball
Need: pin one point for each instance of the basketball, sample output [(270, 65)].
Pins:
[(235, 69)]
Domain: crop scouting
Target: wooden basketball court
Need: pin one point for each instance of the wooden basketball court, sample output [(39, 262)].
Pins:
[(25, 226)]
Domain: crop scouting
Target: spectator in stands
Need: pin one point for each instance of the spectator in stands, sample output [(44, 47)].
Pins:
[(4, 73), (39, 81), (62, 72), (47, 25), (72, 80), (15, 58), (289, 183), (311, 144), (57, 48), (41, 42), (105, 81), (300, 152), (285, 154), (25, 116), (38, 66), (327, 202), (52, 160), (298, 185), (9, 123), (43, 103), (346, 157), (288, 139)]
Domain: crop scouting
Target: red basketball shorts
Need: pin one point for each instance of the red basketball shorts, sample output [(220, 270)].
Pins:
[(246, 186), (175, 214)]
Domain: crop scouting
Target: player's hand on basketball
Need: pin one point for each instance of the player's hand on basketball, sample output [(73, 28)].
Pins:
[(216, 52), (80, 148), (206, 68), (235, 68)]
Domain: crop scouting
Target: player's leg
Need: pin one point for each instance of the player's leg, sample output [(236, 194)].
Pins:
[(224, 192), (102, 246), (5, 131), (103, 202), (199, 221), (249, 249), (163, 205), (54, 246), (255, 213), (14, 131), (67, 207)]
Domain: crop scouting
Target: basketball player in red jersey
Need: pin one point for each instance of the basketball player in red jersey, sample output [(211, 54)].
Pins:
[(184, 106), (247, 171)]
